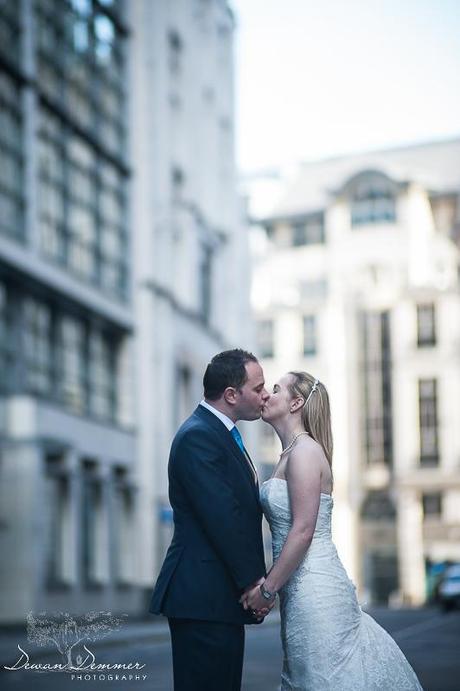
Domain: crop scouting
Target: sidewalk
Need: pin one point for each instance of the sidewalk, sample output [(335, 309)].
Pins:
[(155, 630)]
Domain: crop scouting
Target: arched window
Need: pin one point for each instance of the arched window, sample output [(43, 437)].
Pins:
[(378, 506), (373, 199)]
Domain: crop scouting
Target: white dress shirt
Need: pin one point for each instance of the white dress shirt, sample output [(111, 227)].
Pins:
[(229, 424)]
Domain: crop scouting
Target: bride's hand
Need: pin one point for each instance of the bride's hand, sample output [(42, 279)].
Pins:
[(258, 614), (254, 585), (254, 601)]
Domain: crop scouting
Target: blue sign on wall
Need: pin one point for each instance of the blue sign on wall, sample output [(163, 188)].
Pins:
[(166, 514)]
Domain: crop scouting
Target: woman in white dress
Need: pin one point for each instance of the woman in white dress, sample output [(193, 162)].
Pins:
[(329, 643)]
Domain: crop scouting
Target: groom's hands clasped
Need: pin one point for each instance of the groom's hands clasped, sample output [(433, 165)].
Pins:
[(252, 599)]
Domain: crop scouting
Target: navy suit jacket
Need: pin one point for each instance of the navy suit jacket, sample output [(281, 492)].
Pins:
[(217, 546)]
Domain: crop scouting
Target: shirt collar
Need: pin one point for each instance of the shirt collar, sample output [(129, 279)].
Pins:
[(229, 424)]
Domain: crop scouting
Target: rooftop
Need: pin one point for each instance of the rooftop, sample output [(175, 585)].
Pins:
[(435, 165)]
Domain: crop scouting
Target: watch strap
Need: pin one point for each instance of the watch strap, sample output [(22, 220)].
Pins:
[(266, 594)]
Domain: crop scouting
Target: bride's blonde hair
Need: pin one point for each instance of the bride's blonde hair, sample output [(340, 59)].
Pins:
[(316, 412)]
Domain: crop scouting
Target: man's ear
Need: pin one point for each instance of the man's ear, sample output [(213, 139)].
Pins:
[(230, 395)]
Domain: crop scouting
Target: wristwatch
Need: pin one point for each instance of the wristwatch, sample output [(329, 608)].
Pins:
[(266, 594)]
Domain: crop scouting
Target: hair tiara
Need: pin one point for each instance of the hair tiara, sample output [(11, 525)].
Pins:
[(313, 389)]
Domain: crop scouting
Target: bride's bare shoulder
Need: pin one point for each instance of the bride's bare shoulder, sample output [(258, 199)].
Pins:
[(307, 445), (309, 449)]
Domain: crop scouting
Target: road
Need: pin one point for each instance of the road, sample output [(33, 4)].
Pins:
[(429, 639)]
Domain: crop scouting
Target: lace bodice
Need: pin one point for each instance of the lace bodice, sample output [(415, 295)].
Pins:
[(275, 502), (276, 506)]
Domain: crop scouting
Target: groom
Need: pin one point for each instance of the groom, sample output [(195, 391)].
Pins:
[(217, 550)]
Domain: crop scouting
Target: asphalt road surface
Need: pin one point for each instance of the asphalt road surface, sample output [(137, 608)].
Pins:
[(429, 639)]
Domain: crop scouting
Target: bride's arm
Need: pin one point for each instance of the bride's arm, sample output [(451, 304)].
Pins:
[(303, 475)]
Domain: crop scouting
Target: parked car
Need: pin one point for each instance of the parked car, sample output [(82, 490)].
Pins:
[(449, 588)]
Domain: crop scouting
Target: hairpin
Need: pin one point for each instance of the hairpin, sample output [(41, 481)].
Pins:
[(313, 389)]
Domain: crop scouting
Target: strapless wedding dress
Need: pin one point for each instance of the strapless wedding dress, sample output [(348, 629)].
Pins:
[(329, 643)]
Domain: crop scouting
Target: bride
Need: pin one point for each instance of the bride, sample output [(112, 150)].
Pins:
[(328, 641)]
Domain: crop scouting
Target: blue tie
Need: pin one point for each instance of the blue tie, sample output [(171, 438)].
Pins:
[(238, 438)]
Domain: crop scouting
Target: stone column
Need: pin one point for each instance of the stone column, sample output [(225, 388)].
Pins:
[(21, 534), (71, 562), (410, 547), (102, 526)]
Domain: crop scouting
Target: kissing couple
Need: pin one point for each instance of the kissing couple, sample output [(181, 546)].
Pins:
[(214, 581)]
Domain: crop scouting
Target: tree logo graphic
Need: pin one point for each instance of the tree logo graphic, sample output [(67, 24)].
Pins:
[(67, 631)]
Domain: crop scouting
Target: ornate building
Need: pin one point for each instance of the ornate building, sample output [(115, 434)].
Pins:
[(118, 233), (357, 281), (191, 253)]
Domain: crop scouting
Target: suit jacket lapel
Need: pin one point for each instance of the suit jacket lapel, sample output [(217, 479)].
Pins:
[(231, 443)]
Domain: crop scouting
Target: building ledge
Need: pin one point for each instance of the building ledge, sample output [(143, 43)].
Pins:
[(21, 259)]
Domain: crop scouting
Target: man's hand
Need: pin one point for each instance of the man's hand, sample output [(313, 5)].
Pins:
[(252, 599), (253, 585)]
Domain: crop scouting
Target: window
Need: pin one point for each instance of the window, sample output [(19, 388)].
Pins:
[(373, 201), (314, 290), (432, 505), (184, 403), (428, 421), (81, 222), (265, 338), (37, 345), (426, 326), (175, 51), (10, 31), (308, 231), (309, 335), (376, 379), (113, 237), (71, 354), (82, 208), (177, 183), (102, 375), (46, 350), (205, 283), (7, 350), (381, 575), (82, 176), (89, 84), (378, 506), (51, 190), (12, 159), (298, 234)]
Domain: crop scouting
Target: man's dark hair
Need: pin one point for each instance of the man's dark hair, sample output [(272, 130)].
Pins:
[(226, 369)]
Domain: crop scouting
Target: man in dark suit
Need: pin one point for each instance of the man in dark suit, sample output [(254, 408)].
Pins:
[(216, 553)]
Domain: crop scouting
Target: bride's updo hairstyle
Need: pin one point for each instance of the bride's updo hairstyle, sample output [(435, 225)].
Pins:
[(316, 412)]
